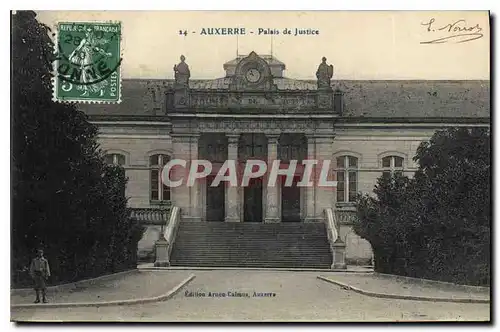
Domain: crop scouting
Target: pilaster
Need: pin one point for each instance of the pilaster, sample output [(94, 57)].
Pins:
[(310, 191), (232, 192), (272, 189), (194, 191), (324, 194), (180, 195)]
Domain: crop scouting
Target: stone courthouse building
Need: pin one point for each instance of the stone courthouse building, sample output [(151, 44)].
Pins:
[(255, 112)]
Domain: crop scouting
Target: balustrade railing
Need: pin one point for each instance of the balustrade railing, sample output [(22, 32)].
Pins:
[(331, 225), (337, 246), (154, 216), (164, 245)]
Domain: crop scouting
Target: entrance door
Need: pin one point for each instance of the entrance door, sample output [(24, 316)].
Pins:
[(290, 202), (215, 201), (253, 201)]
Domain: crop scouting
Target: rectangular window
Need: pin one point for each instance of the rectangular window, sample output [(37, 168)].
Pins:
[(153, 160), (353, 162), (353, 184), (340, 186), (347, 178), (386, 162), (392, 164), (164, 159), (108, 159), (120, 159), (340, 162), (398, 162), (166, 193), (154, 185)]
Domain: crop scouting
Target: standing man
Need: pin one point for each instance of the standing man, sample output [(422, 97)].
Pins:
[(40, 271)]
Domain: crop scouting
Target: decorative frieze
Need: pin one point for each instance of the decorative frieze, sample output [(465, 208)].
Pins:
[(237, 100), (255, 125)]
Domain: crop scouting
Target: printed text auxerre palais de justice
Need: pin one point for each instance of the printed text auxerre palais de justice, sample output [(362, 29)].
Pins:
[(258, 31)]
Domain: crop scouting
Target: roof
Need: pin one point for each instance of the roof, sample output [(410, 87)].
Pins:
[(416, 99), (371, 99)]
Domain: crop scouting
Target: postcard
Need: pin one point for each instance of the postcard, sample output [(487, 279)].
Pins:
[(224, 166)]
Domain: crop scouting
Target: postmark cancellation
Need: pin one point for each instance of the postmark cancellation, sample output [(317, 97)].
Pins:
[(87, 62)]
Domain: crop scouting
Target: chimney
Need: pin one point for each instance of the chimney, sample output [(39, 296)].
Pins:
[(338, 101)]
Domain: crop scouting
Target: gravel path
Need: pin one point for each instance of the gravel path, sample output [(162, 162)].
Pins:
[(300, 296)]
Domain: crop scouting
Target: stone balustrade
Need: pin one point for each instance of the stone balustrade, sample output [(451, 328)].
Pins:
[(150, 216), (337, 246), (345, 216), (164, 245)]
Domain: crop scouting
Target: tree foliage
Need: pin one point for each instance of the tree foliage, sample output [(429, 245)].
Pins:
[(435, 225), (64, 198)]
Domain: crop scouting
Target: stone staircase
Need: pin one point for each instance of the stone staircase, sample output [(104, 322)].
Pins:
[(222, 244)]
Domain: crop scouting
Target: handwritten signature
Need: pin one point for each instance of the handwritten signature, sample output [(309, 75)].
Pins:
[(459, 32)]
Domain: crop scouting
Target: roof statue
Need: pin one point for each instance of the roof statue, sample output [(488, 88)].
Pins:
[(182, 73), (324, 74)]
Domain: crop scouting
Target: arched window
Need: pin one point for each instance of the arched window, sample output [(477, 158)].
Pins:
[(392, 164), (347, 178), (114, 159), (159, 191)]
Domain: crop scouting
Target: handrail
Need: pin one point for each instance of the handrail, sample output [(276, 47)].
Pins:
[(337, 246), (171, 229), (331, 225), (174, 217), (167, 238)]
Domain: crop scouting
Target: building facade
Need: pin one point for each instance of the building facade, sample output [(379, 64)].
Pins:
[(365, 128)]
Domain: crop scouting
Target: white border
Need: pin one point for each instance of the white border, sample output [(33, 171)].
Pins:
[(201, 5)]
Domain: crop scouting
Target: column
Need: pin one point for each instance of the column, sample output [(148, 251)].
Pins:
[(195, 201), (324, 195), (232, 197), (181, 195), (311, 191), (272, 191)]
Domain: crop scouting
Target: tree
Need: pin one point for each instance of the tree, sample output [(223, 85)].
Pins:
[(65, 198), (437, 224)]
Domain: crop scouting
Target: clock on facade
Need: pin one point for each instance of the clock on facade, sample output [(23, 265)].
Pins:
[(252, 75)]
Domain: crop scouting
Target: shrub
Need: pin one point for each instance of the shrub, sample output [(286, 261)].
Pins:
[(437, 224)]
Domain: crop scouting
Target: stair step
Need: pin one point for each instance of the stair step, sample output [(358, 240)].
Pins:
[(212, 244)]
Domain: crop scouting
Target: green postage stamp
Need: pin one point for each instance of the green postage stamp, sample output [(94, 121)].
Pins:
[(87, 65)]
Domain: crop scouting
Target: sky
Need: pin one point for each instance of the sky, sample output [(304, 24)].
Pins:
[(378, 45)]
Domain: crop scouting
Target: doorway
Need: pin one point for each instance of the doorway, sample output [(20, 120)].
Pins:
[(215, 201), (253, 201), (290, 201)]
